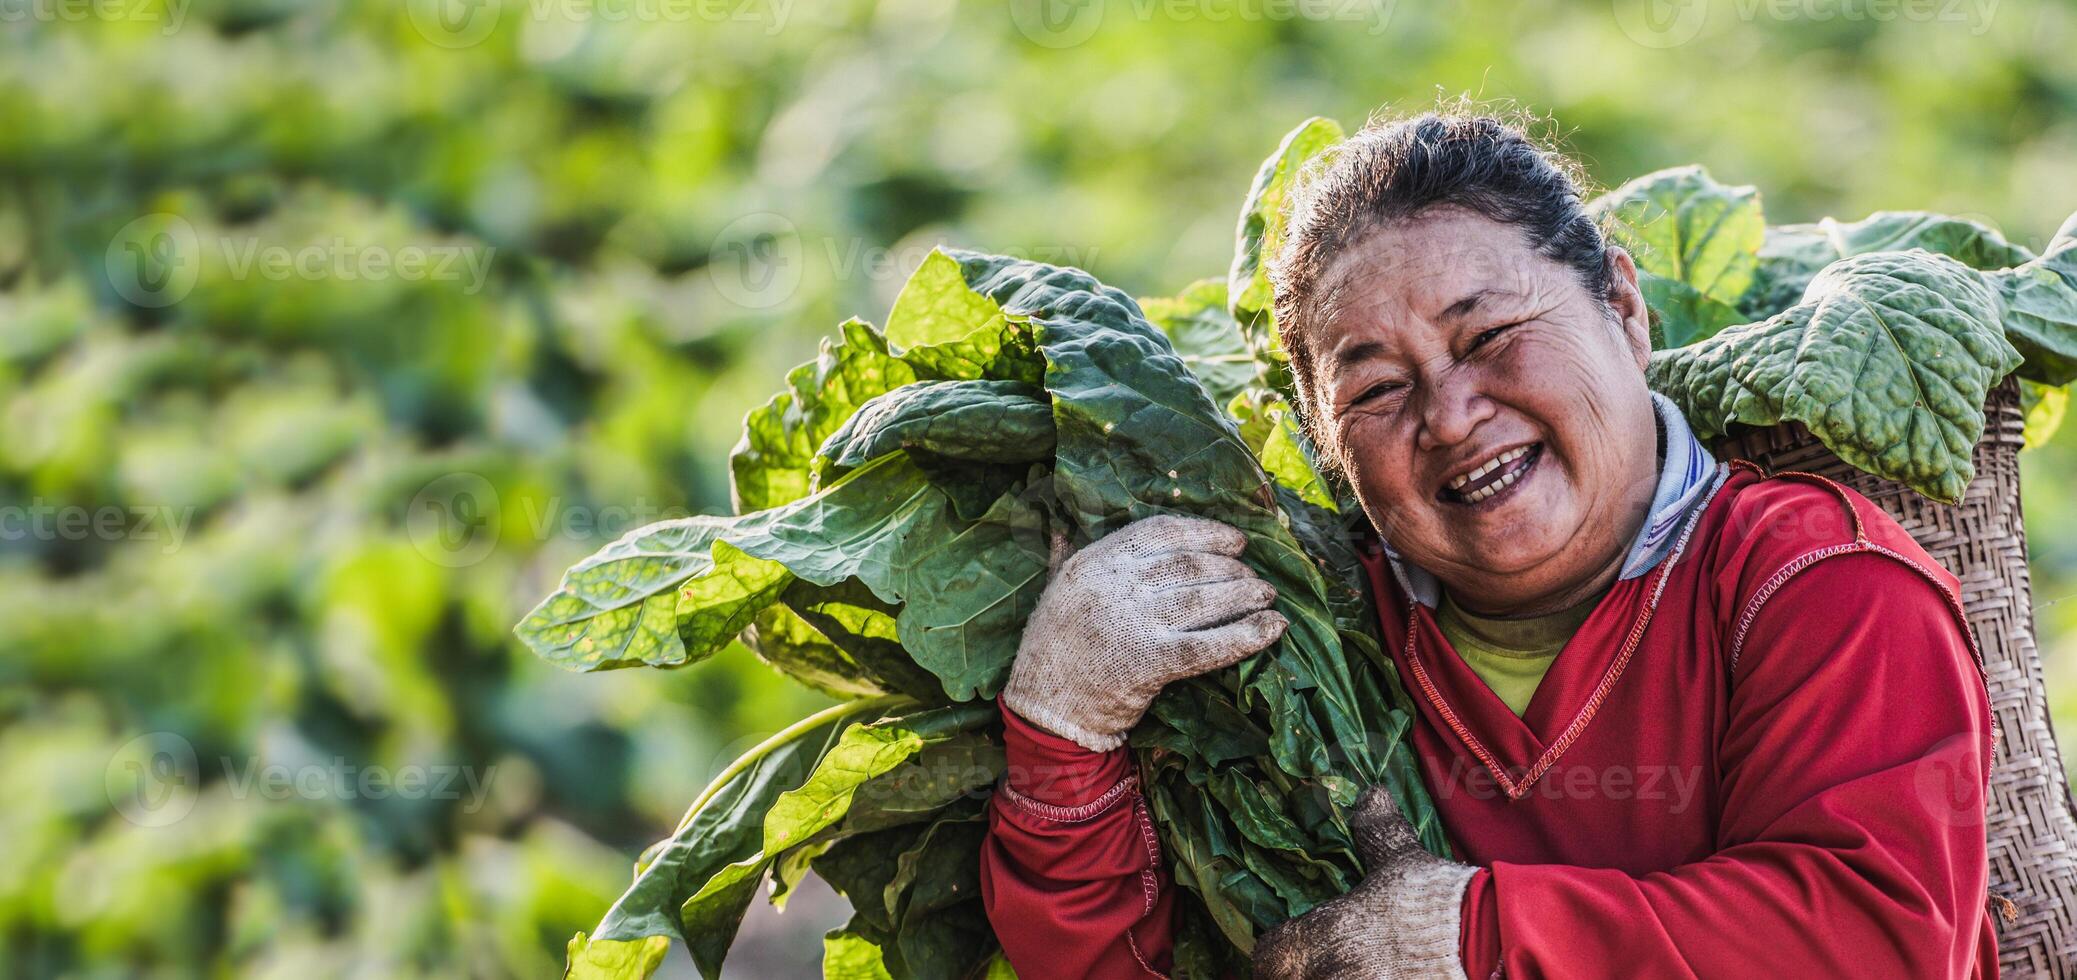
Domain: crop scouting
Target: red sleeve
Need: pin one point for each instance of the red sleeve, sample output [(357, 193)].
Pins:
[(1071, 871), (1851, 841), (1479, 932)]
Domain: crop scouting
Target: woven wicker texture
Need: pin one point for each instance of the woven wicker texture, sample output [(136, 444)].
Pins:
[(1982, 540)]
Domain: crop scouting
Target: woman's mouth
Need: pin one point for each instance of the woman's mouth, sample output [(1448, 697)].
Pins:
[(1493, 479)]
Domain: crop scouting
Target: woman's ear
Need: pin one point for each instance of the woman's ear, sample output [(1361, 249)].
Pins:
[(1628, 302)]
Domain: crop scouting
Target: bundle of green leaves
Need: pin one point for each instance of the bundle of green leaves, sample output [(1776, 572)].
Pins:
[(896, 503)]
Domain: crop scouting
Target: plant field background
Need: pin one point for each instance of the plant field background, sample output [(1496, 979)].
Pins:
[(331, 332)]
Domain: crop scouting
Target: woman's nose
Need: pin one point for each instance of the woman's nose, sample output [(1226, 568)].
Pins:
[(1450, 412)]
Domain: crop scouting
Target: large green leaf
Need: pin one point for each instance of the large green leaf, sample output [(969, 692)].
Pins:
[(1271, 430), (865, 751), (1205, 336), (709, 918), (947, 331), (1130, 419), (864, 627), (1792, 255), (769, 466), (968, 588), (1264, 214), (2040, 309), (965, 765), (846, 955), (2045, 408), (841, 640), (947, 779), (712, 915), (792, 645), (677, 591), (1684, 315), (608, 959), (725, 827), (974, 440), (1887, 360), (1002, 422), (2038, 296), (1695, 242), (620, 608), (859, 867), (940, 927)]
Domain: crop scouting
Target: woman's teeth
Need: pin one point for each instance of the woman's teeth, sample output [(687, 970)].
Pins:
[(1483, 480), (1489, 466)]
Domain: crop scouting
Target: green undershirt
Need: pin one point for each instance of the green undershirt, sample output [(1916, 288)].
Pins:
[(1510, 655)]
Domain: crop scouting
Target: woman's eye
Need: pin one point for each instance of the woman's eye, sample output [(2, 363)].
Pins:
[(1376, 391), (1486, 336)]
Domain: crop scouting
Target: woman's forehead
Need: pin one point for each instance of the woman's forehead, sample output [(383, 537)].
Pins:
[(1436, 260), (1394, 281)]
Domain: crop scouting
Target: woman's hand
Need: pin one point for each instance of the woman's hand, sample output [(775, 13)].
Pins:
[(1163, 599), (1402, 921)]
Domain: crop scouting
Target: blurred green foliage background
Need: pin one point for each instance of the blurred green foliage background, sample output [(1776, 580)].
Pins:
[(330, 333)]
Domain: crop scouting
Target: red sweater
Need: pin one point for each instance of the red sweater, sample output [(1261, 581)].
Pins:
[(1765, 758)]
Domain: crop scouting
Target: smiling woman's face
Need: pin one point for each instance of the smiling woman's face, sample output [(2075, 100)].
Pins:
[(1490, 413)]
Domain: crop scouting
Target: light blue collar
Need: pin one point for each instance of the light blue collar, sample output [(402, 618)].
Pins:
[(1688, 477)]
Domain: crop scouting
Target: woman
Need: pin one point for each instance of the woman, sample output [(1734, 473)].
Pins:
[(1678, 719)]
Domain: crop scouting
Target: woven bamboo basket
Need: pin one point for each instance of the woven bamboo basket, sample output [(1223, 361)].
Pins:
[(1982, 540)]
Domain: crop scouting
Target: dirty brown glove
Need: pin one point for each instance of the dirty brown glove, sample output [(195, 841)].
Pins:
[(1403, 920)]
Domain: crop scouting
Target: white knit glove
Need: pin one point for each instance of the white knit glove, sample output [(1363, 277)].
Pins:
[(1163, 599), (1403, 920)]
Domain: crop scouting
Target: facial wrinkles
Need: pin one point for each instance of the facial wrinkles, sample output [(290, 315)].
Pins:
[(1550, 346), (1597, 446), (1396, 298), (1549, 379)]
